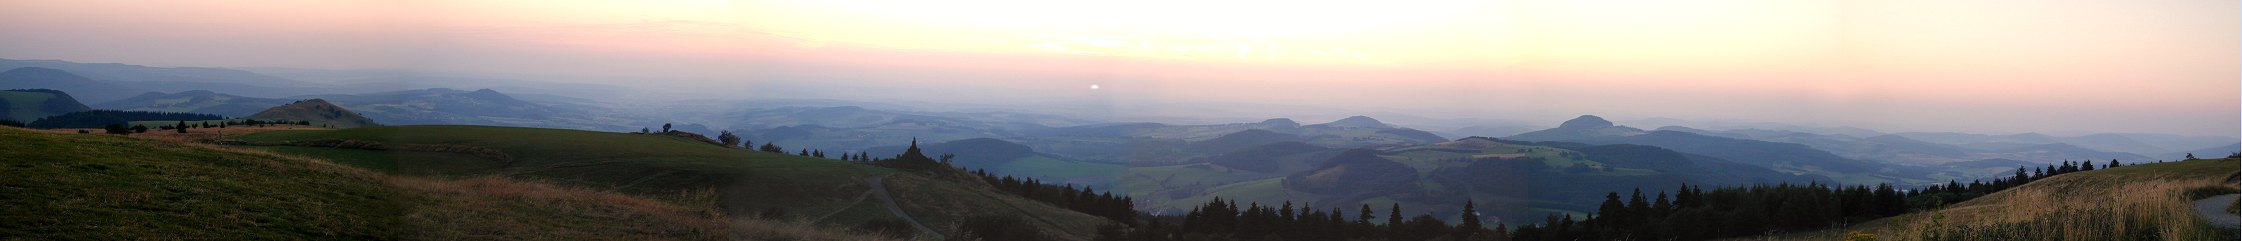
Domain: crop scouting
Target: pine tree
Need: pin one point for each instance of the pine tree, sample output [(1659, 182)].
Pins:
[(181, 127), (1612, 209), (1366, 215), (1469, 226), (1393, 218), (1637, 207), (1663, 206), (665, 128)]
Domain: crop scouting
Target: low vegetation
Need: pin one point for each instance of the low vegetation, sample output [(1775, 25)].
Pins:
[(82, 186), (826, 191), (2136, 202)]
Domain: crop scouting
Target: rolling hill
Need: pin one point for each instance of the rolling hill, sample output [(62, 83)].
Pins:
[(317, 111), (461, 107), (27, 105), (825, 191), (54, 79), (196, 101), (83, 186), (1787, 157), (1162, 144), (1512, 179), (111, 81), (2143, 201)]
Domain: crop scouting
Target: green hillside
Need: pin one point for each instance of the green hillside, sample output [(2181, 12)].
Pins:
[(197, 101), (1511, 179), (821, 190), (317, 111), (2149, 201), (30, 105), (104, 187)]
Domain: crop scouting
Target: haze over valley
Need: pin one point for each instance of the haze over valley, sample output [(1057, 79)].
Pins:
[(898, 120)]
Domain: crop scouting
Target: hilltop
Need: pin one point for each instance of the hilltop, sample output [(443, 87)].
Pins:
[(748, 182), (90, 186), (1786, 157), (317, 111), (29, 105), (55, 79), (2145, 201), (195, 101)]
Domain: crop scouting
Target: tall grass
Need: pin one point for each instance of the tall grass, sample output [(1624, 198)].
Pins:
[(795, 230), (2142, 205), (2139, 202), (69, 186)]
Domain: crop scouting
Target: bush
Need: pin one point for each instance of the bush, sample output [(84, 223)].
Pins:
[(887, 227), (996, 228)]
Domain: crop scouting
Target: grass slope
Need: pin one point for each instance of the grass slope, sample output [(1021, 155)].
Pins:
[(819, 190), (30, 105), (317, 111), (2140, 202), (87, 186)]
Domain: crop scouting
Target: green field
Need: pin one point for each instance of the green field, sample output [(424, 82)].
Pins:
[(2148, 201), (25, 106), (749, 181), (1045, 167), (105, 187)]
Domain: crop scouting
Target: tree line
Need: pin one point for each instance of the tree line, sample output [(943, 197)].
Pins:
[(1119, 208), (1221, 219), (1686, 213), (1696, 214), (100, 118)]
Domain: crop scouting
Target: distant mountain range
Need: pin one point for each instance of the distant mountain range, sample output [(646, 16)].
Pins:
[(85, 89), (1788, 157), (107, 82), (196, 101)]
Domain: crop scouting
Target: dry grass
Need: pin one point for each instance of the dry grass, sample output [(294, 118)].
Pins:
[(2142, 202), (772, 230), (416, 208), (196, 135), (493, 208)]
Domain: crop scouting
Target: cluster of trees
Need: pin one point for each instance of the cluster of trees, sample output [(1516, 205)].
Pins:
[(100, 118), (1695, 214), (1117, 208), (1226, 220), (120, 129), (733, 140), (1692, 213)]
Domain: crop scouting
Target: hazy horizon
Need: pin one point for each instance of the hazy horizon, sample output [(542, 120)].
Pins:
[(1995, 67)]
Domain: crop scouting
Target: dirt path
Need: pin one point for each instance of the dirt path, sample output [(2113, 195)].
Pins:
[(879, 190), (2214, 209)]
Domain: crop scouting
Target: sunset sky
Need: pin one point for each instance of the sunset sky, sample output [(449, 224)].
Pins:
[(2055, 66)]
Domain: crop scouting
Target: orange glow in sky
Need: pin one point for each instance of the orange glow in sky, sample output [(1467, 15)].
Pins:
[(1804, 60)]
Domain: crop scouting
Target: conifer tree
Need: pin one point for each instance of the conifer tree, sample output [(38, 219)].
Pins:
[(1469, 226)]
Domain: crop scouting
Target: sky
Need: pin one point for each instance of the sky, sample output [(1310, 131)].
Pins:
[(1994, 66)]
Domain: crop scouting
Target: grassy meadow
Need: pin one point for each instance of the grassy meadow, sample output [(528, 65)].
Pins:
[(2148, 201), (105, 187)]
